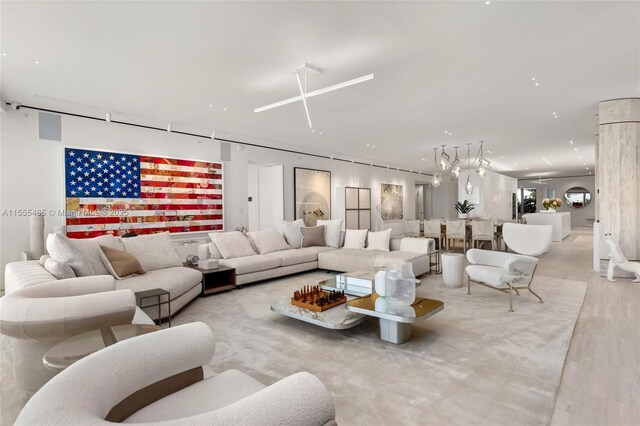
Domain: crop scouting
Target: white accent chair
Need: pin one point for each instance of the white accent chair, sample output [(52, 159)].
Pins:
[(38, 316), (504, 271), (433, 229), (617, 259), (157, 378), (456, 230), (482, 231)]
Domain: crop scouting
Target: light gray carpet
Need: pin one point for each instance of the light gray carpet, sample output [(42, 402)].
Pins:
[(473, 363)]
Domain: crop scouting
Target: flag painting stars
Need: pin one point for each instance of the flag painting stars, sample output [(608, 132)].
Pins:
[(114, 193)]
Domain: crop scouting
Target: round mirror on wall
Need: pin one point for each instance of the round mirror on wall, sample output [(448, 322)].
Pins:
[(577, 197)]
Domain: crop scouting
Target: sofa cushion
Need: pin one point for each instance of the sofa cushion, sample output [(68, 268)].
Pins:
[(313, 236), (59, 270), (384, 259), (120, 263), (379, 240), (292, 234), (268, 241), (83, 254), (255, 263), (232, 244), (347, 260), (355, 238), (176, 280), (154, 251), (297, 256), (332, 231), (206, 395)]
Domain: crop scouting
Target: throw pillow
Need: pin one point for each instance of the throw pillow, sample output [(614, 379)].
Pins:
[(82, 255), (313, 236), (291, 231), (120, 263), (379, 240), (355, 238), (59, 270), (332, 231), (268, 241), (232, 244), (153, 251), (214, 253)]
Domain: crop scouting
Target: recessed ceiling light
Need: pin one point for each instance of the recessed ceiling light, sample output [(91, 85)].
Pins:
[(571, 142), (312, 131), (587, 168), (533, 79), (367, 145), (36, 62), (526, 168), (537, 84), (501, 157), (487, 2), (589, 172), (320, 132), (489, 152), (224, 109), (575, 149), (210, 105), (581, 158), (373, 146), (584, 164)]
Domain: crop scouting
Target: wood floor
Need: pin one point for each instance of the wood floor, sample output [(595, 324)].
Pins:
[(601, 378)]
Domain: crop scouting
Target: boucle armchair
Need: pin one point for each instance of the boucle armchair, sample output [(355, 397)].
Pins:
[(39, 316), (508, 272), (157, 378)]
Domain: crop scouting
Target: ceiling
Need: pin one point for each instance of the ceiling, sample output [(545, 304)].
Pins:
[(461, 67)]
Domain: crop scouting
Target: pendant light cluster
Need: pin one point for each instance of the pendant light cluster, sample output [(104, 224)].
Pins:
[(455, 166)]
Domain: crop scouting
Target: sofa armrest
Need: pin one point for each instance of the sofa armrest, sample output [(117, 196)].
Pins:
[(54, 311), (300, 399)]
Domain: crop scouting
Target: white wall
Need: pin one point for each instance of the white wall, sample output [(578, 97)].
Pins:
[(440, 201), (492, 194), (31, 171), (561, 185)]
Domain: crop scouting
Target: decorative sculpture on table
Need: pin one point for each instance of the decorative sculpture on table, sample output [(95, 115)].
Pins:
[(616, 258)]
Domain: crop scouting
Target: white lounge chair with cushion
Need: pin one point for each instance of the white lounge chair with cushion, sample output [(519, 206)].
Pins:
[(508, 272), (157, 378), (39, 316)]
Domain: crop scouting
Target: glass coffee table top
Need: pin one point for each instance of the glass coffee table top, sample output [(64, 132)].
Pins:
[(332, 284), (376, 306)]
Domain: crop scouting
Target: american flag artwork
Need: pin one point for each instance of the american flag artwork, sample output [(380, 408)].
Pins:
[(115, 193)]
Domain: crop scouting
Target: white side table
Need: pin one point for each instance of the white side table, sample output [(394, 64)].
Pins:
[(452, 269)]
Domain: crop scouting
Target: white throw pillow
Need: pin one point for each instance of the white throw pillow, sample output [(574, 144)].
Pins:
[(268, 241), (153, 251), (332, 230), (214, 253), (379, 240), (58, 269), (292, 234), (232, 244), (81, 254), (355, 238)]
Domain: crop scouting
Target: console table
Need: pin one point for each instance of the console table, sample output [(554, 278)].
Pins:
[(560, 221)]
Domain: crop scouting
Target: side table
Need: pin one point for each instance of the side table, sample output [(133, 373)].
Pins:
[(216, 280), (452, 269), (157, 293), (435, 260)]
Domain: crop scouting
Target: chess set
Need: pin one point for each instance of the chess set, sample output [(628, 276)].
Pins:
[(315, 299)]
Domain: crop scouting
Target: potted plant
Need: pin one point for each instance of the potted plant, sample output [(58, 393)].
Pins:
[(464, 208)]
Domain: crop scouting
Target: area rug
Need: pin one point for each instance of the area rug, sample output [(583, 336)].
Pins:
[(473, 363)]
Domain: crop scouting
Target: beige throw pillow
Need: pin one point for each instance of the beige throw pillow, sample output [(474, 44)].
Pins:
[(232, 244), (120, 263), (313, 236), (81, 254), (268, 241)]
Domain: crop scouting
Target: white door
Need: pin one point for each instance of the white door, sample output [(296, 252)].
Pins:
[(271, 196)]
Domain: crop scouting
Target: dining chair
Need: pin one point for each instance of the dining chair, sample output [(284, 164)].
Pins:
[(481, 231), (456, 230), (433, 229)]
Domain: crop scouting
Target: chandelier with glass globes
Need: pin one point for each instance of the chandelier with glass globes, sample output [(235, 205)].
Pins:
[(444, 165)]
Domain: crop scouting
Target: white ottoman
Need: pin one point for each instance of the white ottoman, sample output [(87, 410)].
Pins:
[(452, 269)]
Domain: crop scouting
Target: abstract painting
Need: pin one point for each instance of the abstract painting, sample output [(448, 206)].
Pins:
[(392, 200), (116, 193), (312, 195)]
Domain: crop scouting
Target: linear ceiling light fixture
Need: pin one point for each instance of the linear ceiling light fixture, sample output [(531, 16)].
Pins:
[(304, 95)]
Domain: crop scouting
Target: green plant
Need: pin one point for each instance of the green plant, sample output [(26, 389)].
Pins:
[(464, 207)]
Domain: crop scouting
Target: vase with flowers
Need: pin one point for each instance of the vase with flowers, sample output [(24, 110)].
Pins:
[(551, 204)]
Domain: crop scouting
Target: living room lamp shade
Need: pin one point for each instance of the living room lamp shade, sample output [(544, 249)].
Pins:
[(445, 162), (483, 162), (455, 165), (468, 186)]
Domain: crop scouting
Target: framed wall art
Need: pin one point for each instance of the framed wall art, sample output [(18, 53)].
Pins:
[(311, 195)]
